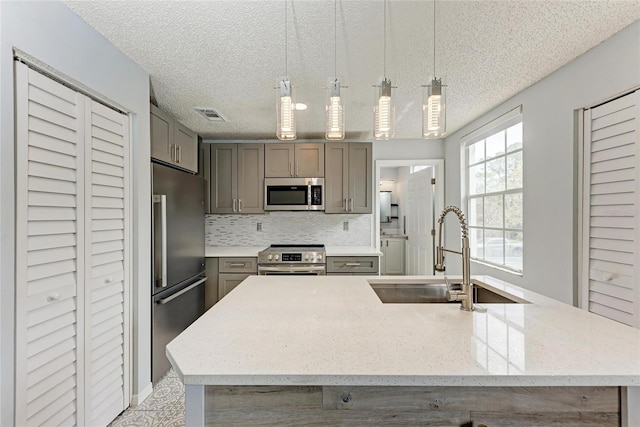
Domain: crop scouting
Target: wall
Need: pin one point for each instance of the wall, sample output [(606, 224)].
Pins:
[(550, 161), (288, 227), (408, 149), (53, 34)]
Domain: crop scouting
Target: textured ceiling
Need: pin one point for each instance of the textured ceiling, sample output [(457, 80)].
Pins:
[(229, 54)]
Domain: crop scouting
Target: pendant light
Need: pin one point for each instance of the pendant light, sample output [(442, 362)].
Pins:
[(286, 124), (434, 99), (335, 110), (384, 110)]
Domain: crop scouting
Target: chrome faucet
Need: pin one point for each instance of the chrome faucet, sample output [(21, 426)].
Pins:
[(465, 296)]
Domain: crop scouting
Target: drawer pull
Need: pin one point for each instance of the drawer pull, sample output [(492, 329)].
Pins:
[(237, 264), (352, 264)]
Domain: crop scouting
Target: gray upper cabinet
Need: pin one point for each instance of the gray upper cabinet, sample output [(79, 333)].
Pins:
[(161, 134), (237, 178), (172, 142), (349, 175), (284, 160)]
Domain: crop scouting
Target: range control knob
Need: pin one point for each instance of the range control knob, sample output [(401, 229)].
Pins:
[(277, 257), (270, 257), (319, 257), (306, 257)]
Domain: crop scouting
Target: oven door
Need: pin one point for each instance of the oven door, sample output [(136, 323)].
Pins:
[(291, 270)]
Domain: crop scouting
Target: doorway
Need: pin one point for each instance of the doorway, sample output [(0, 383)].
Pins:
[(414, 202)]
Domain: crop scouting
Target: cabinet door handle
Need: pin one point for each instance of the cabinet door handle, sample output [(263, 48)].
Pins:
[(234, 204), (178, 154), (239, 205), (291, 168), (351, 210), (346, 205), (172, 152), (387, 243)]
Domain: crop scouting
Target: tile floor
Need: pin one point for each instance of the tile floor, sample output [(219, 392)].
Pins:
[(164, 408)]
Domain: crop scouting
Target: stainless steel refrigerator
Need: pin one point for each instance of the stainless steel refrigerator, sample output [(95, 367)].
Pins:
[(178, 258)]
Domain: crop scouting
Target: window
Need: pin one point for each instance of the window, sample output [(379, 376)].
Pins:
[(494, 191)]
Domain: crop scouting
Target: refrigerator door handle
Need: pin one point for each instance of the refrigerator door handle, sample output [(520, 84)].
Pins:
[(162, 199), (182, 291)]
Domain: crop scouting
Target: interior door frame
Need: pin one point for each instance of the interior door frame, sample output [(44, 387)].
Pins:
[(438, 189)]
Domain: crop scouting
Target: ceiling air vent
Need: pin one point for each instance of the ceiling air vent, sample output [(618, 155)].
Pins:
[(211, 114)]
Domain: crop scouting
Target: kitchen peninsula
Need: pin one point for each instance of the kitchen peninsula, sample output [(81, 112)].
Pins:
[(287, 350)]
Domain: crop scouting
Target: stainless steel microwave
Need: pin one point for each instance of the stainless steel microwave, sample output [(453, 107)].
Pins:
[(294, 194)]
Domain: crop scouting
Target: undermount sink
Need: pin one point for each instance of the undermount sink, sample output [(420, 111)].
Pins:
[(430, 292)]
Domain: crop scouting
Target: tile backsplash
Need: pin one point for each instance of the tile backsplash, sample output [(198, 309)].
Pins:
[(288, 227)]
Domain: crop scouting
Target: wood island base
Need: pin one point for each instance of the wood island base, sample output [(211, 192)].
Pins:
[(398, 405)]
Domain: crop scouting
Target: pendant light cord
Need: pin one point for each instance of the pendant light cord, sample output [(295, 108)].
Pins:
[(286, 53), (434, 39), (384, 65), (335, 39)]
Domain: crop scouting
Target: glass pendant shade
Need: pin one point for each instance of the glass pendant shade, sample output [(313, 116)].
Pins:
[(434, 110), (335, 113), (286, 112), (384, 112)]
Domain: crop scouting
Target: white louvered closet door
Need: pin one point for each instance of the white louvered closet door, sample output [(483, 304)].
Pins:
[(106, 330), (610, 212), (71, 325)]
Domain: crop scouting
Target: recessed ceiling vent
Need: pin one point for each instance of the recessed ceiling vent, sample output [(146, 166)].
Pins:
[(211, 114)]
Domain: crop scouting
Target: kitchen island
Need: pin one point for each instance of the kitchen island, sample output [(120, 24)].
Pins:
[(292, 350)]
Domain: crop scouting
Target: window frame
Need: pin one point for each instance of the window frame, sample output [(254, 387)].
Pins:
[(492, 128)]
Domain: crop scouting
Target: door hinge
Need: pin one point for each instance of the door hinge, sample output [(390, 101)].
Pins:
[(433, 232), (433, 181)]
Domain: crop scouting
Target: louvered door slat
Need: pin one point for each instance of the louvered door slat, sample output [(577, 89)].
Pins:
[(615, 142), (55, 365), (106, 197), (51, 143), (610, 273)]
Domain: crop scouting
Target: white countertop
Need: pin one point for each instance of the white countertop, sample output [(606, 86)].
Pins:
[(352, 251), (232, 251), (252, 251), (333, 330)]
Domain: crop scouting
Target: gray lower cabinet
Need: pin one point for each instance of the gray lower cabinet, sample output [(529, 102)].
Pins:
[(393, 256), (227, 282), (172, 142), (353, 265), (211, 285), (285, 160), (349, 177), (232, 271), (236, 178)]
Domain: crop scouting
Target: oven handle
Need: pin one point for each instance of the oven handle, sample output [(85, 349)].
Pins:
[(292, 269)]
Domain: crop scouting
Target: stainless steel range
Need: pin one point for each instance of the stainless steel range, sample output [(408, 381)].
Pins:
[(306, 260)]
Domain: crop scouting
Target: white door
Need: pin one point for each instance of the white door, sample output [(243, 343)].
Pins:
[(106, 286), (420, 223), (610, 276), (63, 327)]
